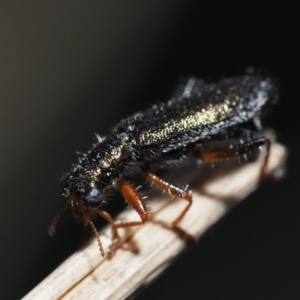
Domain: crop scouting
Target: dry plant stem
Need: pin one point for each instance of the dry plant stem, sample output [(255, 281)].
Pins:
[(86, 275)]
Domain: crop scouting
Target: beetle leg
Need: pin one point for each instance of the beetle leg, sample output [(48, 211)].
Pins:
[(136, 201), (239, 150), (104, 214), (173, 191)]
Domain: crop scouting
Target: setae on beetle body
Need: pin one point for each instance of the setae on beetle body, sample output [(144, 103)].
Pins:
[(194, 123)]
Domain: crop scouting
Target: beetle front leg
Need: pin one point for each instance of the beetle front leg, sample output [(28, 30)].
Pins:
[(136, 201)]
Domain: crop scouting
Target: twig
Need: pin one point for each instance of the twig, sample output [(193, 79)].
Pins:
[(86, 275)]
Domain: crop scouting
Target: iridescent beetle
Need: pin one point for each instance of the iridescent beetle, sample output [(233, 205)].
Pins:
[(185, 126)]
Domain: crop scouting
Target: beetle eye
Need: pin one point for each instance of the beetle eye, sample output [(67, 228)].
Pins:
[(92, 199)]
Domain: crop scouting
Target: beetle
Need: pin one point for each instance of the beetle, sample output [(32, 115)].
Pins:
[(198, 121)]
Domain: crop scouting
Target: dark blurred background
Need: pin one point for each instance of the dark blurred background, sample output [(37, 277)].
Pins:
[(70, 69)]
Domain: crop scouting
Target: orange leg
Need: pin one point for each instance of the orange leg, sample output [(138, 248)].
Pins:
[(107, 217), (135, 199), (138, 204), (173, 191), (239, 150)]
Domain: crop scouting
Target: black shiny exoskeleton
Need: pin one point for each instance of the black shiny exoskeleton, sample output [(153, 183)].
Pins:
[(198, 116)]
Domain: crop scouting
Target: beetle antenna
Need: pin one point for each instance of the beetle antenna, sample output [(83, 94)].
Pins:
[(52, 227), (88, 220)]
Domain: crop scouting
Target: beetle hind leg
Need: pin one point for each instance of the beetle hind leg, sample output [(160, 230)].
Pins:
[(238, 150)]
